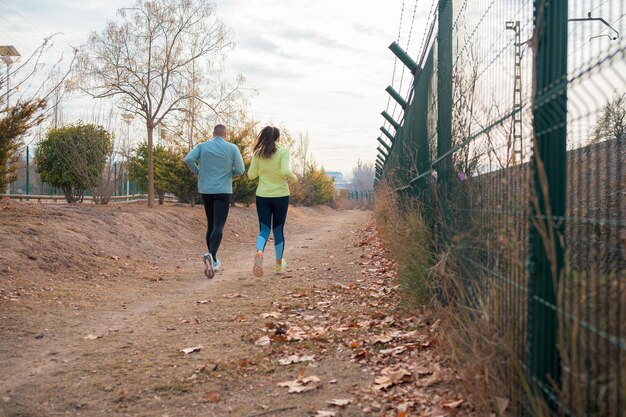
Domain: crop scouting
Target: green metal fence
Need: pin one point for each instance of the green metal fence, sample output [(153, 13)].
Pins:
[(509, 133), (361, 196), (28, 181)]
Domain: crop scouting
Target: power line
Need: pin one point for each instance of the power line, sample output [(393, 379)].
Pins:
[(17, 29), (23, 18)]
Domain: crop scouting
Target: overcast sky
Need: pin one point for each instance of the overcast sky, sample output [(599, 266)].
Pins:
[(319, 66)]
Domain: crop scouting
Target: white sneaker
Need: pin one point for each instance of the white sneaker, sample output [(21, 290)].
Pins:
[(209, 270), (216, 265)]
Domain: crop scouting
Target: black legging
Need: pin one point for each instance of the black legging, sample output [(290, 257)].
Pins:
[(216, 208), (272, 213)]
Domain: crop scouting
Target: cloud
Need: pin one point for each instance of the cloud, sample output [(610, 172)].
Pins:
[(317, 37), (266, 72), (372, 31), (258, 44), (266, 46)]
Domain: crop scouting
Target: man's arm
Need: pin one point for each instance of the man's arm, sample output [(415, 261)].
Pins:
[(192, 158), (238, 166)]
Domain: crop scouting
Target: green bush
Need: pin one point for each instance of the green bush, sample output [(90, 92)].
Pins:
[(165, 162), (244, 189), (315, 187), (73, 158)]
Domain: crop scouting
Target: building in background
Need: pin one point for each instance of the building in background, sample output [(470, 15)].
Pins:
[(339, 180)]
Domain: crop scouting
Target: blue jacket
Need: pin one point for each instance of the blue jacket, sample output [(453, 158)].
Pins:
[(215, 162)]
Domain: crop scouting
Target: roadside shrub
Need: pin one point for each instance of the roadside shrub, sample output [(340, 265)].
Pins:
[(73, 158), (244, 189), (315, 187), (169, 170)]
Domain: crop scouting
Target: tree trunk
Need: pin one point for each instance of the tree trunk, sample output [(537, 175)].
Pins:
[(68, 194), (150, 128)]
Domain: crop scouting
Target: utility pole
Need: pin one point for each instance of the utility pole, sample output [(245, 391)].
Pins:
[(517, 146)]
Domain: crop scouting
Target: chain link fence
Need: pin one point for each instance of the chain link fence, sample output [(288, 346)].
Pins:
[(510, 140)]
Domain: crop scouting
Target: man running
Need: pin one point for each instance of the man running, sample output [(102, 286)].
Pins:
[(215, 162)]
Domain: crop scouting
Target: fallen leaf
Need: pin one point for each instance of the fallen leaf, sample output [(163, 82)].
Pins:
[(263, 341), (502, 404), (235, 295), (318, 333), (435, 325), (325, 413), (355, 344), (271, 314), (452, 404), (295, 334), (296, 359), (298, 295), (212, 397), (187, 351), (381, 339), (339, 402), (435, 378), (393, 351), (93, 336), (403, 410), (298, 386), (391, 377)]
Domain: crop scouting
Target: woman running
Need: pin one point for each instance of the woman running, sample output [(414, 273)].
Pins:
[(271, 164)]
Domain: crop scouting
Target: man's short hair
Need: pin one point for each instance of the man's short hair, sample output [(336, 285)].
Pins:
[(219, 130)]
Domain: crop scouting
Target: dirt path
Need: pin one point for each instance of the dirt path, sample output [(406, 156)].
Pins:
[(135, 366), (94, 315)]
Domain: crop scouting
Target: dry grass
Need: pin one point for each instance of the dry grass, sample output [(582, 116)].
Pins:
[(479, 337), (409, 240)]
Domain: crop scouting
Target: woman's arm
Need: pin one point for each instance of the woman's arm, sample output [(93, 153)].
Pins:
[(285, 169)]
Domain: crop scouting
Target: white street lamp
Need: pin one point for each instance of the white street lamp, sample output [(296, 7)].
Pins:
[(128, 118), (7, 53)]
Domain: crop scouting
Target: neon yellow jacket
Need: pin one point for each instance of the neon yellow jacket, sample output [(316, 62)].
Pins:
[(273, 174)]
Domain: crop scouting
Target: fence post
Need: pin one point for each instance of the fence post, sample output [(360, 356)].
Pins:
[(444, 103), (27, 169), (548, 200), (420, 129)]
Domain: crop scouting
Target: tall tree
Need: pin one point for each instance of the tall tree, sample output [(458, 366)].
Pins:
[(143, 60)]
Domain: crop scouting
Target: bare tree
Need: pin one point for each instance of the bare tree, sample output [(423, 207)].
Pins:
[(362, 178), (143, 58), (302, 152), (611, 124)]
